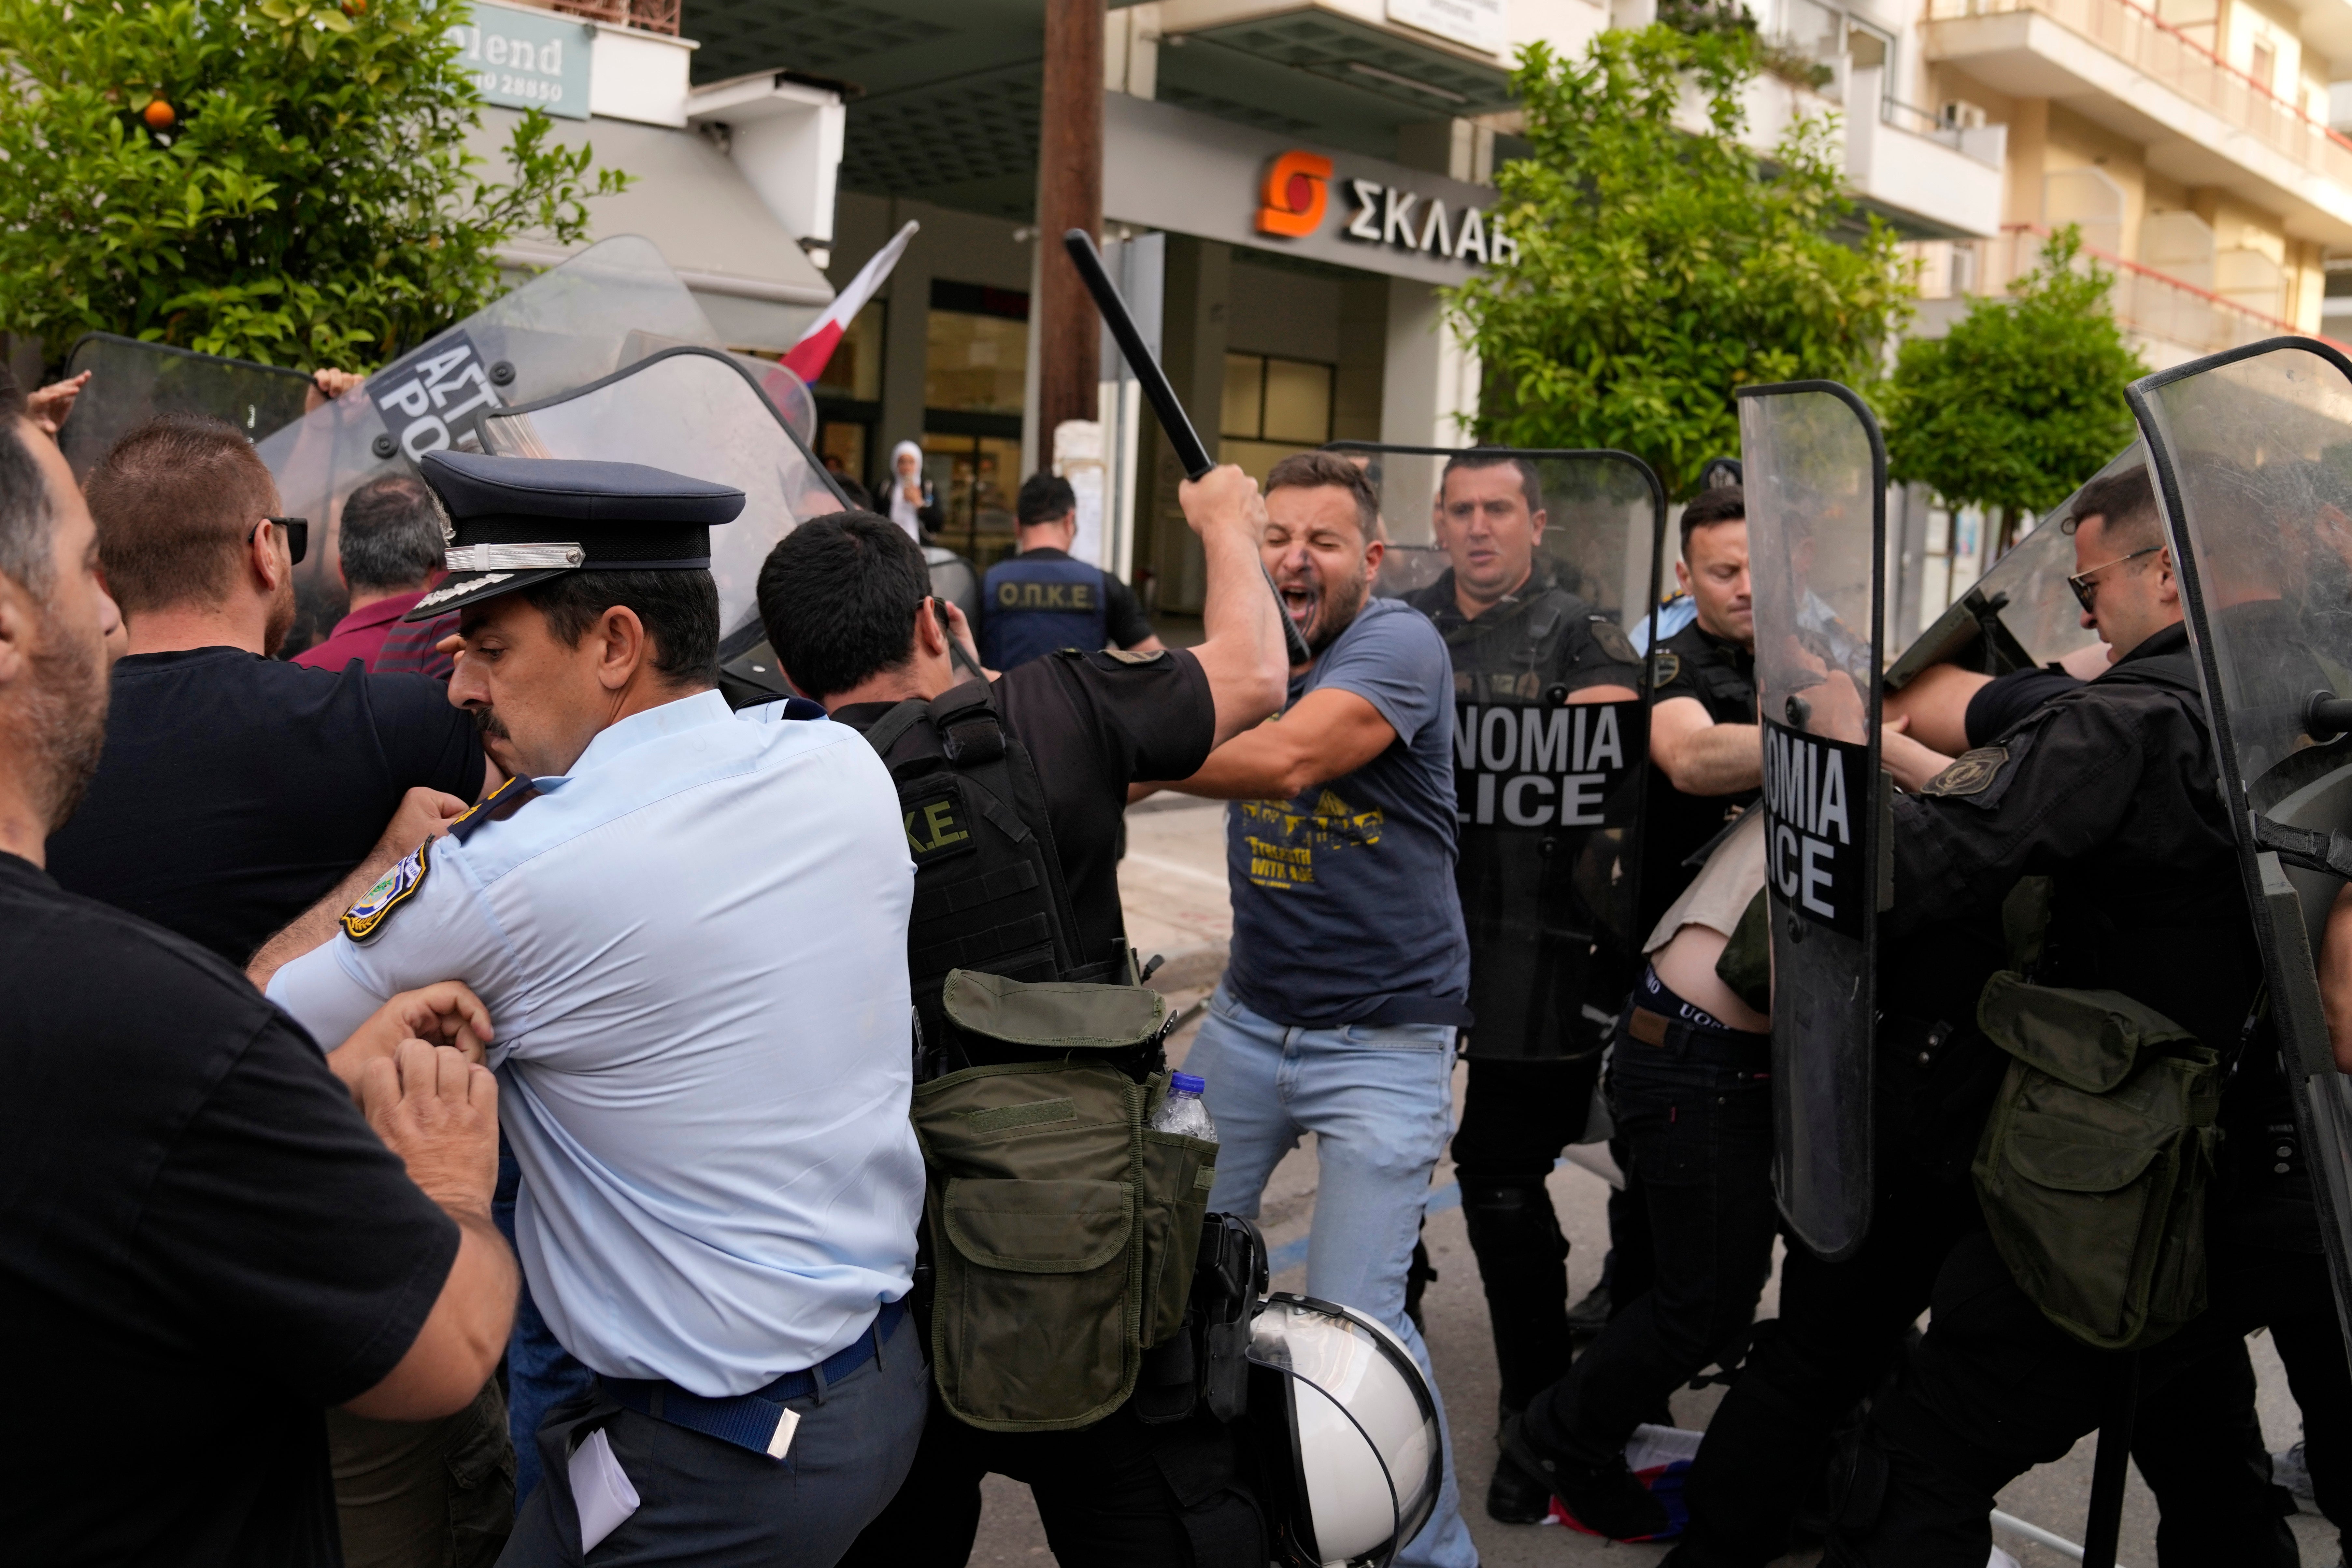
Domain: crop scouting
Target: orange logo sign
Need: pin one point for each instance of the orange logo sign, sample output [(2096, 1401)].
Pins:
[(1297, 188)]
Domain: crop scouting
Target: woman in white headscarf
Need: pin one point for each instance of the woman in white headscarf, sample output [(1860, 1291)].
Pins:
[(913, 501)]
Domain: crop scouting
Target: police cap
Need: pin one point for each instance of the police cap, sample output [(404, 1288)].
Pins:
[(514, 521)]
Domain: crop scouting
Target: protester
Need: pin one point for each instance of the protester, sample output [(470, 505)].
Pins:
[(236, 791), (913, 501), (848, 606), (199, 1218), (690, 928), (1040, 599), (1343, 843), (389, 550)]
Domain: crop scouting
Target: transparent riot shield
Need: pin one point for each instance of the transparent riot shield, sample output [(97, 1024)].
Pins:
[(1550, 718), (1816, 483), (2018, 614), (131, 382), (610, 306), (2252, 454), (699, 413)]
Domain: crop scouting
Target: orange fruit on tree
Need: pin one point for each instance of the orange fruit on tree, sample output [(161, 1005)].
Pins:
[(160, 115)]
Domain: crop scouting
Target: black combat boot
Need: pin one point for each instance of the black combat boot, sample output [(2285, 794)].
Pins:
[(1603, 1494), (1514, 1496)]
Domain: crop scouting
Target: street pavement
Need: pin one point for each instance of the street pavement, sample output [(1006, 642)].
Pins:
[(1174, 887)]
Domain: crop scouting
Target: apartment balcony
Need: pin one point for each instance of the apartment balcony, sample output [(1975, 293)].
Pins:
[(2203, 121), (2174, 321), (1928, 181)]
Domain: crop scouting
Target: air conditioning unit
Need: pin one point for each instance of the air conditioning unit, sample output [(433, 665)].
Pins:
[(1958, 114)]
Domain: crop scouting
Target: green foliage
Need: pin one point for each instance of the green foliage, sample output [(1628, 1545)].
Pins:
[(1657, 269), (307, 200), (2023, 399)]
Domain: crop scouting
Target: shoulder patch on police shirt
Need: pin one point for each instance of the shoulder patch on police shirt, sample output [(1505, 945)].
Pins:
[(505, 801), (392, 889), (1612, 640), (1971, 772), (1670, 667)]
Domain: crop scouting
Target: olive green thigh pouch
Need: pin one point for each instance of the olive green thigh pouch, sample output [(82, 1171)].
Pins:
[(1063, 1231), (2092, 1169)]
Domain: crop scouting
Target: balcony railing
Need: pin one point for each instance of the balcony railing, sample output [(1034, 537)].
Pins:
[(648, 15), (2144, 299), (2132, 34)]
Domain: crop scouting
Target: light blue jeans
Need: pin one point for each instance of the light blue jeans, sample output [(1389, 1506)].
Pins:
[(1379, 1099)]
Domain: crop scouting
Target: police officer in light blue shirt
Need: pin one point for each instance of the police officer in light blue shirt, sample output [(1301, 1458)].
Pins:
[(688, 929)]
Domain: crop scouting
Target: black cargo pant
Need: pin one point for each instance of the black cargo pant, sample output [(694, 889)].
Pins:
[(1692, 1109), (1517, 1117), (1995, 1389), (1115, 1494)]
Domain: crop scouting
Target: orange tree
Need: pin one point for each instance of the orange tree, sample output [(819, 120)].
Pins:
[(279, 180), (1662, 264)]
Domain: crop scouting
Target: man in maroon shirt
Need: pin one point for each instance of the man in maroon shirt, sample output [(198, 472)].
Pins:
[(390, 550)]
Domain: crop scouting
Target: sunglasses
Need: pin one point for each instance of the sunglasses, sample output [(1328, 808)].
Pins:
[(297, 536), (2080, 582)]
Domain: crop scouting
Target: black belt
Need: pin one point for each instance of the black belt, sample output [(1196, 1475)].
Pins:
[(751, 1420)]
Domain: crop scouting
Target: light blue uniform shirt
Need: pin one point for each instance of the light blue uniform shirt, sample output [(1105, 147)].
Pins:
[(693, 949)]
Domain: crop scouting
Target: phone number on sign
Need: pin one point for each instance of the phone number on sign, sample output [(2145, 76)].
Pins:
[(518, 85)]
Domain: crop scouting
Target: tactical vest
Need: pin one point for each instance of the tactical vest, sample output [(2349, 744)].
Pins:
[(1060, 1231), (1545, 811), (1034, 603), (989, 890)]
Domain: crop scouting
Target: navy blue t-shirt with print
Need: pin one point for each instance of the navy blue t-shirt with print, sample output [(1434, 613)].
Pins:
[(1344, 908)]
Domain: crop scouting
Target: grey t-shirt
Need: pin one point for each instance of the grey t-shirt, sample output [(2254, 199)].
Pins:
[(1344, 906)]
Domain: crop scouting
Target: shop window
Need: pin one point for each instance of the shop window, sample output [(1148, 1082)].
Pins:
[(976, 479), (854, 370), (1272, 407), (977, 349), (842, 444)]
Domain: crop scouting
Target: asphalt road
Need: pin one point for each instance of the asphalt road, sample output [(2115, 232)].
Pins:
[(1173, 879)]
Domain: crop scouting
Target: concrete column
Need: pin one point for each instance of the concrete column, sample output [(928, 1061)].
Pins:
[(906, 334), (1199, 287), (1429, 385)]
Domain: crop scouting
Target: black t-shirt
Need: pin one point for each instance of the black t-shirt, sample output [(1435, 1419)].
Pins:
[(237, 790), (2009, 700), (203, 1246), (1093, 724), (1720, 674)]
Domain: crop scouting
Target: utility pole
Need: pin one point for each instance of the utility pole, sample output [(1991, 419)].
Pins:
[(1069, 196)]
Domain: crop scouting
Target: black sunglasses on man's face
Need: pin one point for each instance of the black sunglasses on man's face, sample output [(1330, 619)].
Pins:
[(297, 536)]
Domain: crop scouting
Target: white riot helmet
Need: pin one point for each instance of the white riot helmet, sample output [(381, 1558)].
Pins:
[(1347, 1432)]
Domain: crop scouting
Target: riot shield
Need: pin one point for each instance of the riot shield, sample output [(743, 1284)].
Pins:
[(1549, 771), (2020, 614), (131, 382), (611, 305), (1816, 484), (699, 413), (2252, 454)]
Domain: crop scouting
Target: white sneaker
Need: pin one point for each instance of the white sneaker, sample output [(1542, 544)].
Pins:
[(2001, 1559)]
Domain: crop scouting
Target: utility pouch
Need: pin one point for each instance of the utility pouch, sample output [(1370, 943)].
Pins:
[(2094, 1165), (1063, 1230)]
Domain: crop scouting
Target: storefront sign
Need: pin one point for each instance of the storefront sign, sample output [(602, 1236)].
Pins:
[(1481, 24), (1169, 168), (527, 59)]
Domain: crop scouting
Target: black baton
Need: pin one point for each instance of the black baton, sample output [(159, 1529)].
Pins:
[(1162, 397)]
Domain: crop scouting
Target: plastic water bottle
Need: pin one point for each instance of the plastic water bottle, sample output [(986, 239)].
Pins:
[(1183, 1110)]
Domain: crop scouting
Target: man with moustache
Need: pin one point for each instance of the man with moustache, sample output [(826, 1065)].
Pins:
[(237, 790), (1351, 970)]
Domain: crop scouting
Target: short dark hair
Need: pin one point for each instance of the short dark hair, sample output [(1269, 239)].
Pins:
[(1725, 503), (391, 535), (1530, 482), (28, 513), (838, 597), (1044, 497), (679, 609), (173, 500), (2127, 503), (1313, 471)]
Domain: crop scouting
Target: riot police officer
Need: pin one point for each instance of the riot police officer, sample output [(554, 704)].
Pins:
[(1521, 639), (1041, 599)]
